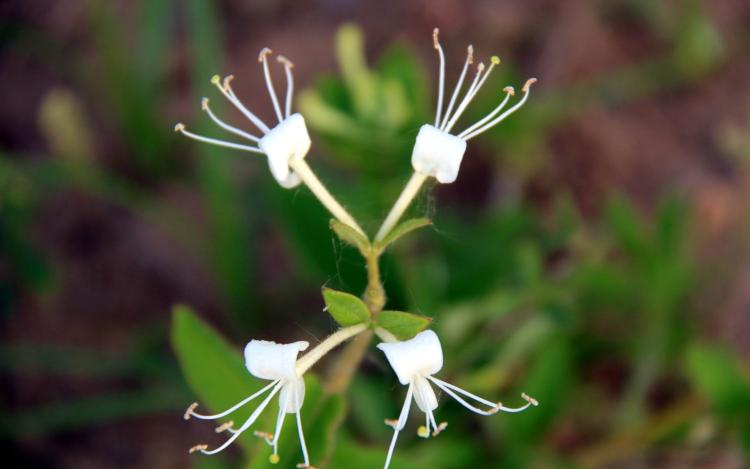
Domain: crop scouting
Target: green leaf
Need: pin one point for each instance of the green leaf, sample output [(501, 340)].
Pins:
[(346, 309), (403, 229), (351, 236), (213, 368), (403, 325), (719, 376)]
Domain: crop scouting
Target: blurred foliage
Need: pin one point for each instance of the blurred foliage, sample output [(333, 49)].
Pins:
[(592, 316)]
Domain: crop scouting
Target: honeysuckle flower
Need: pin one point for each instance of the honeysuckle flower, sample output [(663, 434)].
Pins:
[(286, 141), (275, 363), (415, 361), (438, 152)]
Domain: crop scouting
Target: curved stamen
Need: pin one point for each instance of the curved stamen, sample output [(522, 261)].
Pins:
[(469, 61), (263, 58), (399, 425), (180, 127), (441, 76), (449, 388), (224, 125), (509, 91), (467, 99), (228, 93), (288, 66), (526, 92), (463, 402), (251, 420), (191, 410), (302, 443)]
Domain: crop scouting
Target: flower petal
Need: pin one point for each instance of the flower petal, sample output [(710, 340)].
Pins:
[(272, 361), (292, 395), (418, 357)]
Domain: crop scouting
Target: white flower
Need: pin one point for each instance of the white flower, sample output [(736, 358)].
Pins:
[(415, 361), (437, 152), (276, 363), (285, 142)]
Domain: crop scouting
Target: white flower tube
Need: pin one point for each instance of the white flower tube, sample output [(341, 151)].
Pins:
[(415, 361)]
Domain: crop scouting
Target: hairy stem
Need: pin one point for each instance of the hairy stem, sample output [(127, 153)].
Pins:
[(302, 169), (402, 203), (312, 357), (374, 295)]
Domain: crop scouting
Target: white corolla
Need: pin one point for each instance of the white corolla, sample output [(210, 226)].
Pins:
[(276, 363), (415, 361)]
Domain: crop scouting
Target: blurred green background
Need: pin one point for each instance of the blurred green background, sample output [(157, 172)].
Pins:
[(593, 252)]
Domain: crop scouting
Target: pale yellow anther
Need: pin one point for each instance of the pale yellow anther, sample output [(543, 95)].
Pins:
[(530, 399), (274, 459), (285, 61), (204, 104), (305, 466), (480, 67), (470, 54), (442, 426), (197, 448), (423, 432), (216, 80), (510, 90), (495, 60), (264, 53), (527, 86), (224, 427), (179, 127), (435, 41)]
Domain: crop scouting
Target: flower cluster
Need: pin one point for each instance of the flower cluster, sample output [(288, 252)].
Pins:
[(437, 153)]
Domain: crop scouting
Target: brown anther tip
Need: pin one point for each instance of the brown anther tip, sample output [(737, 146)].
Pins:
[(204, 104), (179, 127), (227, 80), (441, 426), (530, 399), (527, 85), (391, 422), (224, 427), (285, 61), (264, 435), (510, 90), (189, 412), (304, 466), (470, 54), (435, 41), (264, 53), (480, 67), (197, 448)]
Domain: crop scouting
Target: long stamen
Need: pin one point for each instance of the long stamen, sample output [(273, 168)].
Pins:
[(288, 66), (302, 443), (441, 76), (447, 387), (190, 412), (399, 425), (466, 404), (228, 93), (251, 420), (224, 125), (509, 91), (263, 58), (469, 61), (526, 92), (467, 99), (279, 424), (180, 127)]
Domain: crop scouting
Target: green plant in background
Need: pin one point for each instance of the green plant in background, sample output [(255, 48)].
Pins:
[(414, 354)]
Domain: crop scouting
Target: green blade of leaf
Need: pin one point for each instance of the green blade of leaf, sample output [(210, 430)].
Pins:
[(351, 236), (403, 325), (213, 369), (346, 309), (403, 229)]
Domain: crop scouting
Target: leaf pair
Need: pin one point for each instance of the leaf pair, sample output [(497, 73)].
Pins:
[(348, 310), (350, 236)]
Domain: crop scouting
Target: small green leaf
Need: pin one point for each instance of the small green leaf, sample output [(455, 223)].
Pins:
[(403, 325), (351, 236), (404, 228), (346, 309)]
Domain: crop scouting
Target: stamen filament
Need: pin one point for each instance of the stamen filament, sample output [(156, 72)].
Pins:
[(288, 66), (251, 420), (181, 128), (469, 61), (263, 58), (441, 79), (279, 424), (467, 99), (464, 403), (300, 432), (191, 410), (509, 91), (526, 92), (224, 125), (401, 422), (226, 90)]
